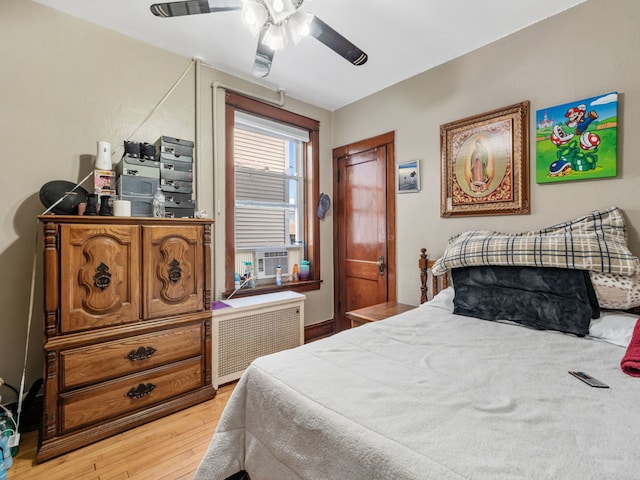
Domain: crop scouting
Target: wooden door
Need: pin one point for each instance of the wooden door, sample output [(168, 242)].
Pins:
[(364, 226)]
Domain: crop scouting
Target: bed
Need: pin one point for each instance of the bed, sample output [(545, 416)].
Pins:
[(437, 393)]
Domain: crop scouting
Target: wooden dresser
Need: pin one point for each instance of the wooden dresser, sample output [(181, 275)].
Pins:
[(127, 324)]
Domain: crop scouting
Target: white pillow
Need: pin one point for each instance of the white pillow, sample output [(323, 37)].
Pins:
[(613, 327), (443, 299)]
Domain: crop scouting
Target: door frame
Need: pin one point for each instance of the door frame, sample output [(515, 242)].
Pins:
[(384, 140)]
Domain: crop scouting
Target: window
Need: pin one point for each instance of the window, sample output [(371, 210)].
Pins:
[(272, 181), (269, 183)]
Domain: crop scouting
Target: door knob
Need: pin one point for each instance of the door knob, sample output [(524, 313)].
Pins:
[(380, 264)]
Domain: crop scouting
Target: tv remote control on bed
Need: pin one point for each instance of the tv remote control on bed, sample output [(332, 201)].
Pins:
[(589, 380)]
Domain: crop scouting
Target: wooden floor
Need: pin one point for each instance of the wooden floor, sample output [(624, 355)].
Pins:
[(168, 449)]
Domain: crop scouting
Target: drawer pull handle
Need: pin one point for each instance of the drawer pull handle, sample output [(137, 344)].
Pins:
[(175, 272), (141, 390), (141, 353), (102, 278)]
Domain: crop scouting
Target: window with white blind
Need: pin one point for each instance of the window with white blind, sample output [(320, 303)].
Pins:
[(272, 160), (269, 182)]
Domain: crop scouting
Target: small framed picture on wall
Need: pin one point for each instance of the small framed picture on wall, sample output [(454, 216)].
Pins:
[(408, 177)]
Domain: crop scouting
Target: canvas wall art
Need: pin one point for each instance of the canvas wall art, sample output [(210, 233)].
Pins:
[(577, 140)]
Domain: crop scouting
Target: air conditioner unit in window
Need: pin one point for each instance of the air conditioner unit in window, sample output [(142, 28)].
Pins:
[(268, 258)]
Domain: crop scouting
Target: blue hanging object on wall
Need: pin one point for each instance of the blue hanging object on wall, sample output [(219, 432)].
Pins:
[(324, 202)]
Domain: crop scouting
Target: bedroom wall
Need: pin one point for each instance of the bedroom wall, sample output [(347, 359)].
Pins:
[(64, 85), (588, 50), (67, 83)]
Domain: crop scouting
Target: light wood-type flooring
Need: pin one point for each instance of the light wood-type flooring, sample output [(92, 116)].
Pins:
[(168, 449)]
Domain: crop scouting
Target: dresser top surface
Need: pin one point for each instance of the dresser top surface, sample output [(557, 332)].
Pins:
[(110, 220)]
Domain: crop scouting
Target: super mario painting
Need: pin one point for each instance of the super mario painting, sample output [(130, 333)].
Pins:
[(577, 140)]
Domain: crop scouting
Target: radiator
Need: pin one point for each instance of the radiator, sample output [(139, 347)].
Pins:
[(251, 327)]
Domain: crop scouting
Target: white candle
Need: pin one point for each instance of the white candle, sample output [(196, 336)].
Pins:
[(121, 208)]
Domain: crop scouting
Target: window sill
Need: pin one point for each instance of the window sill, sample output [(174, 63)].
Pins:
[(299, 286)]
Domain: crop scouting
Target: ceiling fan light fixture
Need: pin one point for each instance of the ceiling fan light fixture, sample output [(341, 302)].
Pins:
[(274, 21), (299, 25), (255, 15), (280, 10), (276, 37)]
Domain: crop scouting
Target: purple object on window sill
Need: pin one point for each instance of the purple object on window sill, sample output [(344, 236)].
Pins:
[(217, 305)]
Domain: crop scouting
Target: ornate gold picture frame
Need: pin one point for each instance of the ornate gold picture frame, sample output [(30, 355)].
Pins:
[(485, 163)]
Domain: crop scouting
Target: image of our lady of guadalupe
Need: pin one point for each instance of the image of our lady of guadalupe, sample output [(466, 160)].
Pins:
[(479, 171)]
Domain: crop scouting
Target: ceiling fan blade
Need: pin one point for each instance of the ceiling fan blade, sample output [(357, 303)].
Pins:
[(194, 7), (336, 42), (264, 56)]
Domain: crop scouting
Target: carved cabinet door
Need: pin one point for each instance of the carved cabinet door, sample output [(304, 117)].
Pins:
[(100, 275), (173, 270)]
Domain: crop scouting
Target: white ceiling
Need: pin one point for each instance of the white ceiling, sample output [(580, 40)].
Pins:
[(402, 38)]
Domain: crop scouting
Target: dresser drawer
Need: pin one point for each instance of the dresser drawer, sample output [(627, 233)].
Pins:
[(91, 405), (104, 361)]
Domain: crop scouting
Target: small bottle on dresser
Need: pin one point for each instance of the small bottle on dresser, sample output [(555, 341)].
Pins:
[(158, 204)]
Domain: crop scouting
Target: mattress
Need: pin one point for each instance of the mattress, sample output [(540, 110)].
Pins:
[(432, 395)]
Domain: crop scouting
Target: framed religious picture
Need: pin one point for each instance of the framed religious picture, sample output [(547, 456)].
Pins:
[(485, 163), (408, 177)]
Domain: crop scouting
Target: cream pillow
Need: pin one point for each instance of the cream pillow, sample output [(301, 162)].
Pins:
[(616, 291)]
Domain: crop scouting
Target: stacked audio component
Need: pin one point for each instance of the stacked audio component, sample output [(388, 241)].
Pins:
[(138, 177), (176, 175), (146, 167)]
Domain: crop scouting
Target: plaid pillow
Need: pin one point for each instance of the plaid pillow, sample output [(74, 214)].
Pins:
[(596, 242)]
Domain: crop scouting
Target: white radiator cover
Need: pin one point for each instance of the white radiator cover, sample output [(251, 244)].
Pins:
[(252, 327)]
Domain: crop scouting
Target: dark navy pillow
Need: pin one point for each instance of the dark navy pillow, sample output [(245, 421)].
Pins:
[(543, 298)]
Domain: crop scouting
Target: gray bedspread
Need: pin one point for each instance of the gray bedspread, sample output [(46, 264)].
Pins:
[(432, 395)]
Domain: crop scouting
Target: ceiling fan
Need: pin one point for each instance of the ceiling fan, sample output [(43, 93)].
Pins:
[(274, 21)]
